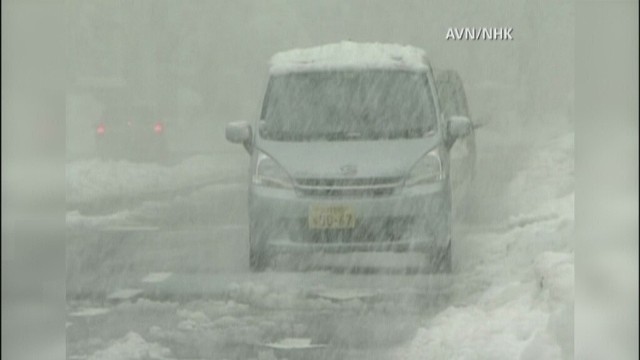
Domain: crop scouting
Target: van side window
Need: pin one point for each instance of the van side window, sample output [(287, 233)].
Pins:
[(265, 101)]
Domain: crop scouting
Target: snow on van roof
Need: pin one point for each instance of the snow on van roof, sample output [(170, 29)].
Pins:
[(349, 55)]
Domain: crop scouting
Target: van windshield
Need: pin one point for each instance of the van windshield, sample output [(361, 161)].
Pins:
[(348, 105)]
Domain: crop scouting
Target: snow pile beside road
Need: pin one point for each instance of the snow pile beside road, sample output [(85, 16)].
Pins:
[(549, 176), (132, 347), (94, 180), (524, 274), (555, 273), (76, 220)]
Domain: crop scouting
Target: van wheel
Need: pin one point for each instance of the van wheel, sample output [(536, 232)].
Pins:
[(439, 261), (259, 258), (445, 265)]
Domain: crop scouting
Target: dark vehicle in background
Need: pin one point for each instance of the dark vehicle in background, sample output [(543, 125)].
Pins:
[(131, 132)]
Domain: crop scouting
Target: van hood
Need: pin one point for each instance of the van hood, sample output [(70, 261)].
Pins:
[(348, 159)]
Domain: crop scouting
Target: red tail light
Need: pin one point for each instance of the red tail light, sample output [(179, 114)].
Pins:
[(158, 128), (100, 129)]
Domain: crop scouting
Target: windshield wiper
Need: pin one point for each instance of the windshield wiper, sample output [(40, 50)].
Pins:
[(408, 133), (338, 135), (348, 135)]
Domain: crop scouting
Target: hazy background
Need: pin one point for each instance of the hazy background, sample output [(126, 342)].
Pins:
[(206, 63)]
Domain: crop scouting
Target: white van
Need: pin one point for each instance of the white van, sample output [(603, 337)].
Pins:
[(352, 154)]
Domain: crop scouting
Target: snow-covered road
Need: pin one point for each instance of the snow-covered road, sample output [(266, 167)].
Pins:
[(190, 296)]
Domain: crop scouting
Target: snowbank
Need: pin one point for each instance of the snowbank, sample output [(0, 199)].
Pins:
[(524, 274), (132, 347), (548, 176), (95, 180), (349, 55), (76, 220)]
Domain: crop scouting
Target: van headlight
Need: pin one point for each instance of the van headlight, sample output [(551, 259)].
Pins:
[(426, 171), (269, 173)]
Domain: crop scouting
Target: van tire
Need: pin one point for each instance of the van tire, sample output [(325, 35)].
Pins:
[(257, 261), (444, 261), (438, 260), (259, 258)]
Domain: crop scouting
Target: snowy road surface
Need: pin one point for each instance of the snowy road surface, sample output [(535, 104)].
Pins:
[(168, 278)]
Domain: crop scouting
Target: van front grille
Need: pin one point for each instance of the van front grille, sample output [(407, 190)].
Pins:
[(358, 187)]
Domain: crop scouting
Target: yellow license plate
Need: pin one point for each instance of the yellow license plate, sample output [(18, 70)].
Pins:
[(331, 217)]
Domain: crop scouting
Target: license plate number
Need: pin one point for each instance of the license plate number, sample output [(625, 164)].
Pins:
[(331, 217)]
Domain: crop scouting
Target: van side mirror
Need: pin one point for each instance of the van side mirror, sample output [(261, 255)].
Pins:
[(458, 127), (239, 132), (481, 121)]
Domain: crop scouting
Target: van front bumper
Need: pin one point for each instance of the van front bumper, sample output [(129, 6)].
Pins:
[(412, 219)]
